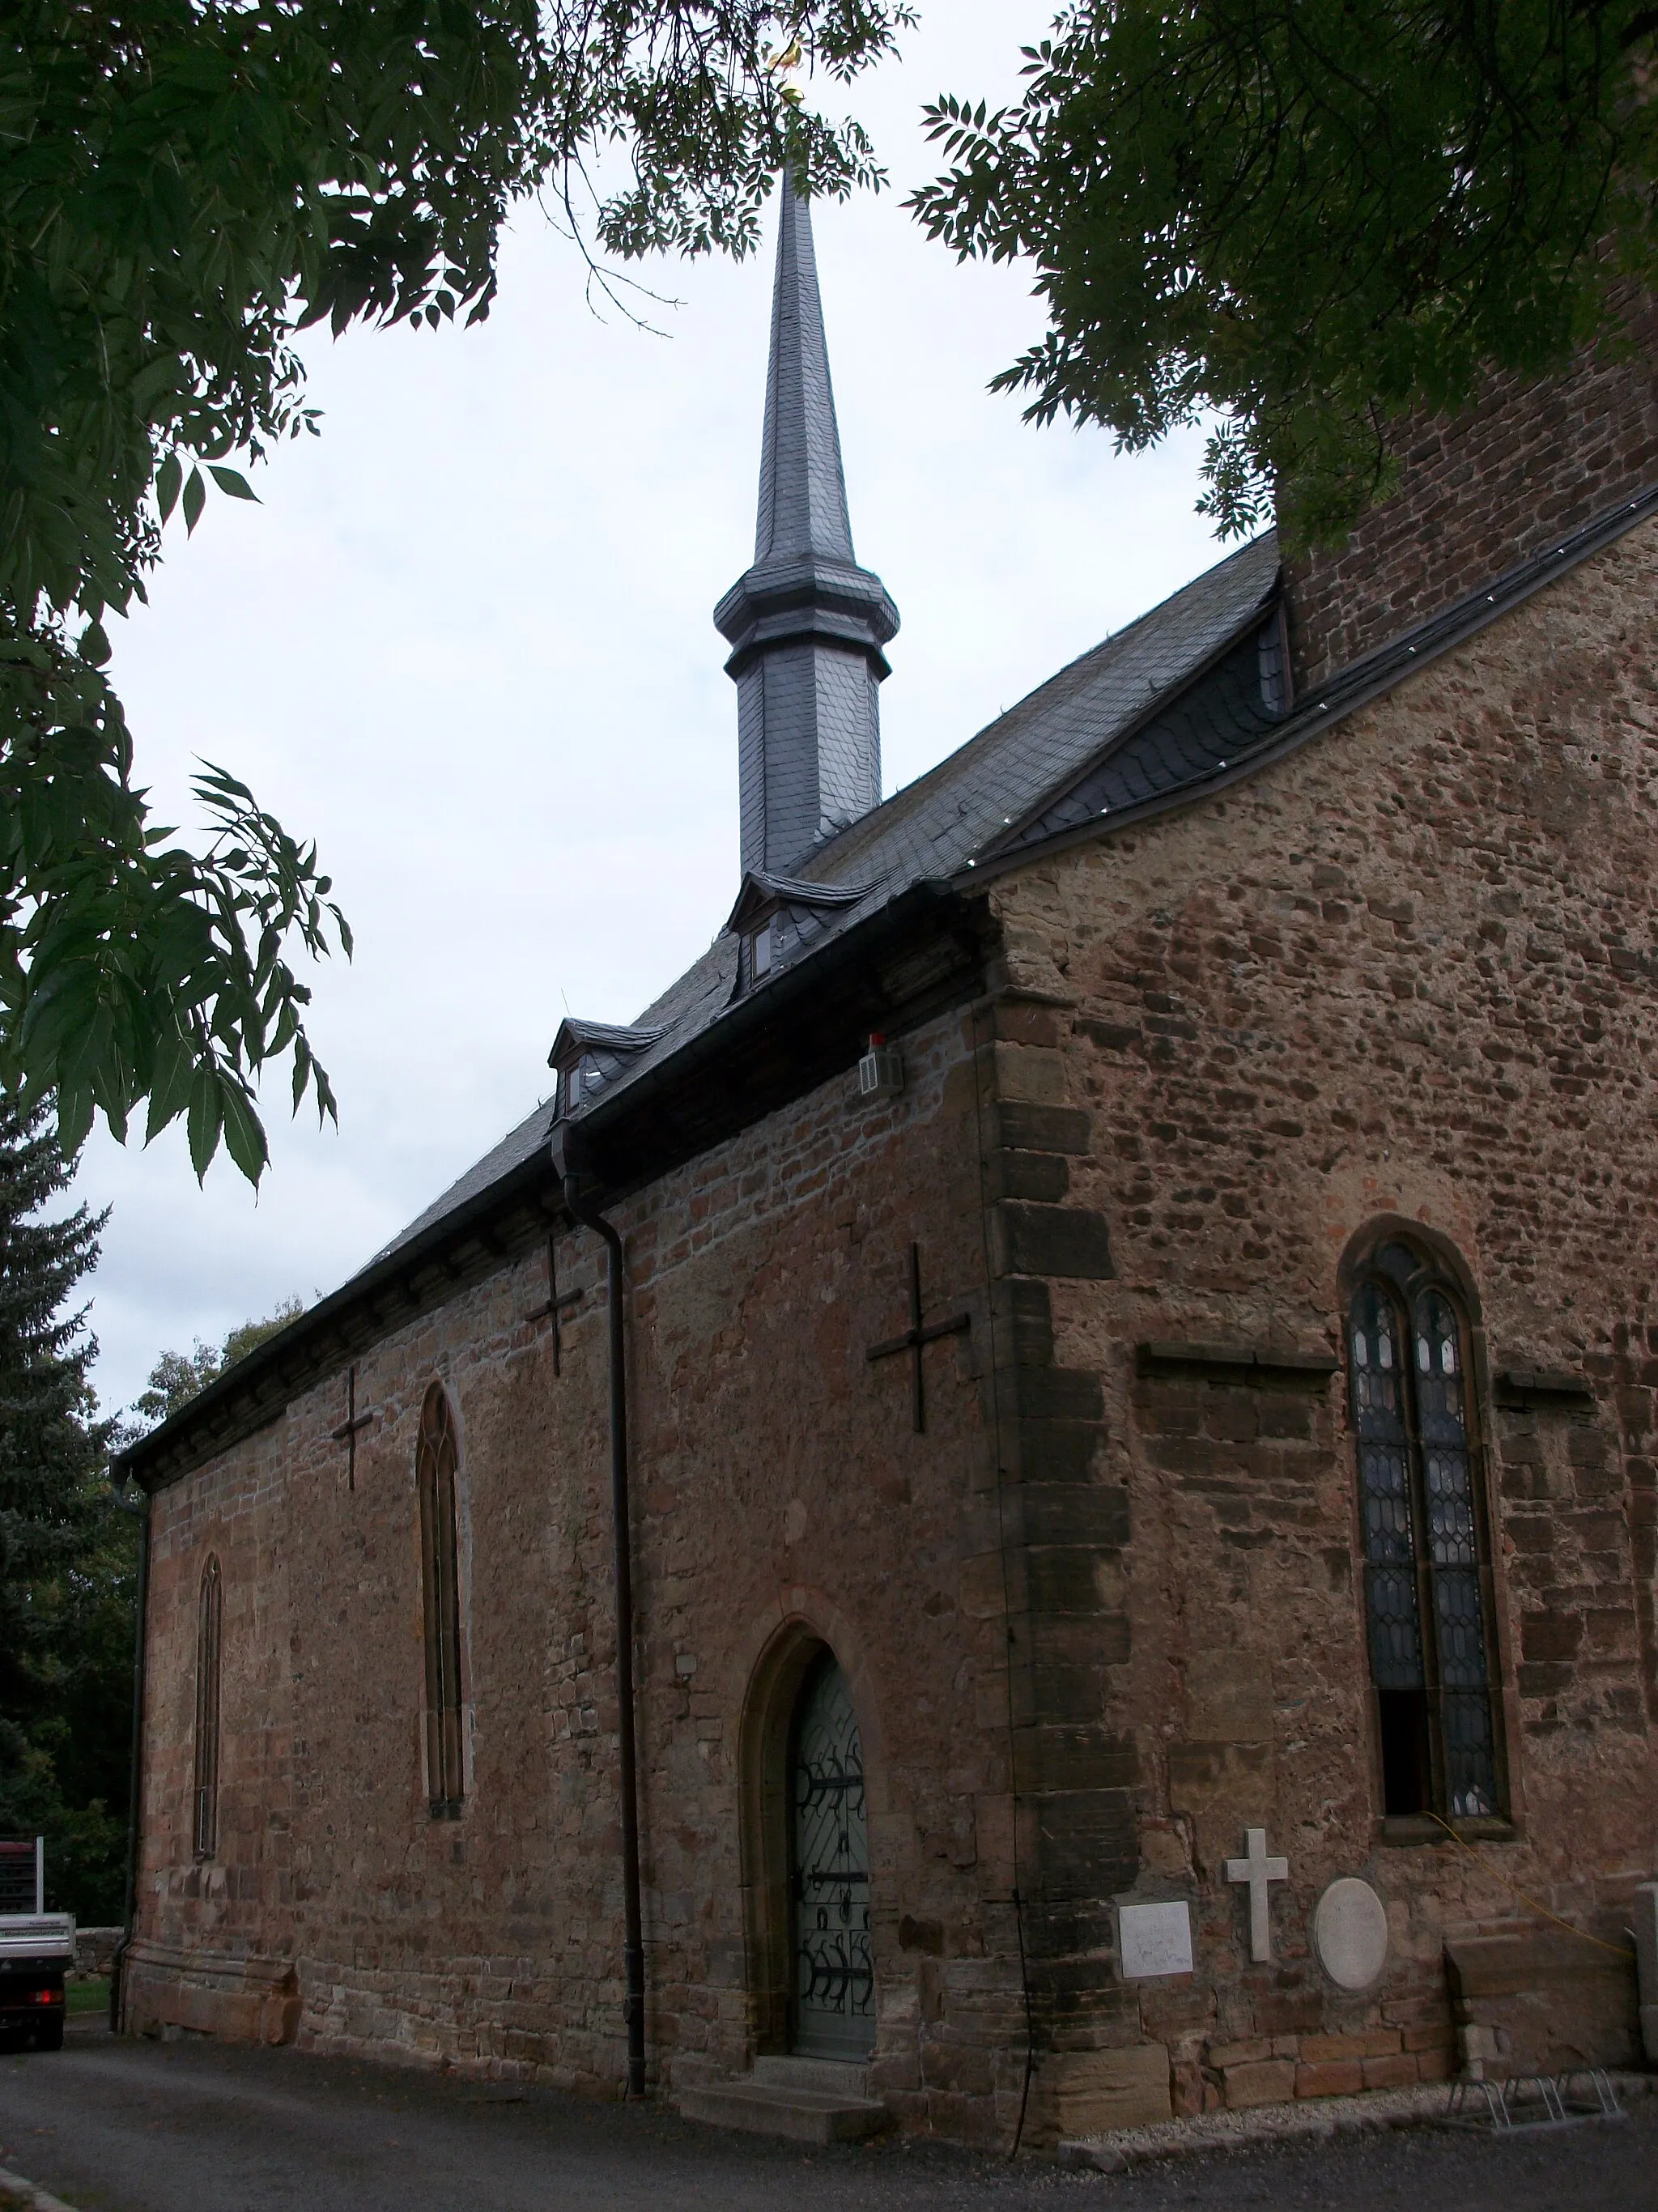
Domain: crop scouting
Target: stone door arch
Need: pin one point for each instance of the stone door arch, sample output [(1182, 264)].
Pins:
[(791, 1694)]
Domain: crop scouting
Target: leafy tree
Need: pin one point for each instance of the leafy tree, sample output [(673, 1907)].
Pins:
[(1310, 216), (185, 185), (67, 1559), (179, 1376)]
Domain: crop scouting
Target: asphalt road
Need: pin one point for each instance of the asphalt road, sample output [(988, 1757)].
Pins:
[(197, 2127)]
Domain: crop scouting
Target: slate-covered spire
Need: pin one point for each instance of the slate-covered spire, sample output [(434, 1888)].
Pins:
[(806, 624), (803, 491)]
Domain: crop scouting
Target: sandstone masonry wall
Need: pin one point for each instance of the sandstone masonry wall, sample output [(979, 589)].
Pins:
[(779, 1489), (1407, 973)]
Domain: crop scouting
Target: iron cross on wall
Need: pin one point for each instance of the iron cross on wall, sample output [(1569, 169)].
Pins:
[(556, 1302), (917, 1335), (346, 1433)]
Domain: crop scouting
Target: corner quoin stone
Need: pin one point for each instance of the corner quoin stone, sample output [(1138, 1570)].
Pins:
[(1033, 1239)]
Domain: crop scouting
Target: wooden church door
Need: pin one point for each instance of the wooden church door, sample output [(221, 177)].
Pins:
[(834, 1971)]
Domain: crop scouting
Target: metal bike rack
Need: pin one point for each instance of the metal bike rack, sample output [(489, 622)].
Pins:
[(1529, 2101)]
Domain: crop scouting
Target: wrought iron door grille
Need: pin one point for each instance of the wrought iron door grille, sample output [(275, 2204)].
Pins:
[(834, 1976)]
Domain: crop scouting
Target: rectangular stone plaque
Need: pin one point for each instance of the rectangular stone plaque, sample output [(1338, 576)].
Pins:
[(1154, 1939)]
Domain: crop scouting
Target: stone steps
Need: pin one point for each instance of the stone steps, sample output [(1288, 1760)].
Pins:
[(812, 2100)]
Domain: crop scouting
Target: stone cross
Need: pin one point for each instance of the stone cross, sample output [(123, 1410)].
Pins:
[(915, 1337), (1257, 1869)]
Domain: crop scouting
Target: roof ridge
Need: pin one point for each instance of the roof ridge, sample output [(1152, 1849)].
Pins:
[(1371, 677)]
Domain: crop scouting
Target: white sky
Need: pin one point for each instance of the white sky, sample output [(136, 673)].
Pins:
[(466, 642)]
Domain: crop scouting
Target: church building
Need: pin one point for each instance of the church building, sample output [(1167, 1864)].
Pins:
[(1029, 1505)]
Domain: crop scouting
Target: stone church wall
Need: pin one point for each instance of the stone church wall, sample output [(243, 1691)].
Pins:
[(1104, 1613), (1406, 973), (779, 1490), (235, 1907), (1515, 475)]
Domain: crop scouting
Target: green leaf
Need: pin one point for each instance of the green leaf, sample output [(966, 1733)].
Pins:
[(195, 501), (243, 1134), (231, 481), (93, 648), (206, 1117), (74, 1111), (170, 1084), (168, 479)]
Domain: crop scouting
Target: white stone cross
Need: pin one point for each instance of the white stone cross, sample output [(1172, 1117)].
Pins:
[(1257, 1870)]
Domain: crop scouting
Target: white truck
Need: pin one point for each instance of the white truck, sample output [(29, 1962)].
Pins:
[(37, 1948)]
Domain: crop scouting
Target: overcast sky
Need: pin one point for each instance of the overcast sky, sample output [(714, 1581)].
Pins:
[(466, 642)]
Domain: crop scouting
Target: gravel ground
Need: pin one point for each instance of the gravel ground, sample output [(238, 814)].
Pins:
[(197, 2127)]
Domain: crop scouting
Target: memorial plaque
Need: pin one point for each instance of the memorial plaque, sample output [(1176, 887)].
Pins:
[(1154, 1939), (1349, 1933)]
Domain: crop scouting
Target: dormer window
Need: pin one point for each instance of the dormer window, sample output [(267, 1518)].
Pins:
[(776, 920), (588, 1056), (580, 1079)]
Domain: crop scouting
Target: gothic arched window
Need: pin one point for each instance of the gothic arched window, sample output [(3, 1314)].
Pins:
[(1425, 1558), (210, 1613), (436, 1464)]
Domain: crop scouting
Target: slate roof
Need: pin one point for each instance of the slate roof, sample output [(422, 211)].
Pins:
[(1179, 702), (1183, 704), (803, 487), (935, 826)]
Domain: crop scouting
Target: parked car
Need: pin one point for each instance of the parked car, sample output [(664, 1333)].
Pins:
[(37, 1948)]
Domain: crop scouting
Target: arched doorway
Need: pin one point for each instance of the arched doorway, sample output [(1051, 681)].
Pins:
[(833, 1993)]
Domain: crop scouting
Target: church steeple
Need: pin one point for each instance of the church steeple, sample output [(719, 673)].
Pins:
[(806, 624), (803, 491)]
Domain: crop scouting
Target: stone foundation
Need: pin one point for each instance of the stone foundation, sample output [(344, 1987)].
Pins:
[(242, 2000)]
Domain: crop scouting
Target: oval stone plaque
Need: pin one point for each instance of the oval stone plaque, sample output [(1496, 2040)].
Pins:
[(1349, 1933)]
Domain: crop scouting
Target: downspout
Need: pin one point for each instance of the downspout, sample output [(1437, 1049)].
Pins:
[(142, 1515), (569, 1165)]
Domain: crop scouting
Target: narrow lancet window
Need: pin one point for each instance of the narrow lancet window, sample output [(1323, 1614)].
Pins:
[(1424, 1561), (209, 1614), (436, 1462)]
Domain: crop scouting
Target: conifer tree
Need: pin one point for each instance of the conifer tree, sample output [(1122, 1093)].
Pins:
[(66, 1557)]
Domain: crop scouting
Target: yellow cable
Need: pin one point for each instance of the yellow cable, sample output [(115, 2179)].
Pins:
[(1618, 1950)]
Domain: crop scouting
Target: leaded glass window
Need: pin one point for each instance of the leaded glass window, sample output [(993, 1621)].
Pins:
[(210, 1616), (437, 1459), (1424, 1564)]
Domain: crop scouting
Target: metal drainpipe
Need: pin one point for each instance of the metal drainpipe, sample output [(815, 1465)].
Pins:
[(140, 1514), (569, 1165)]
